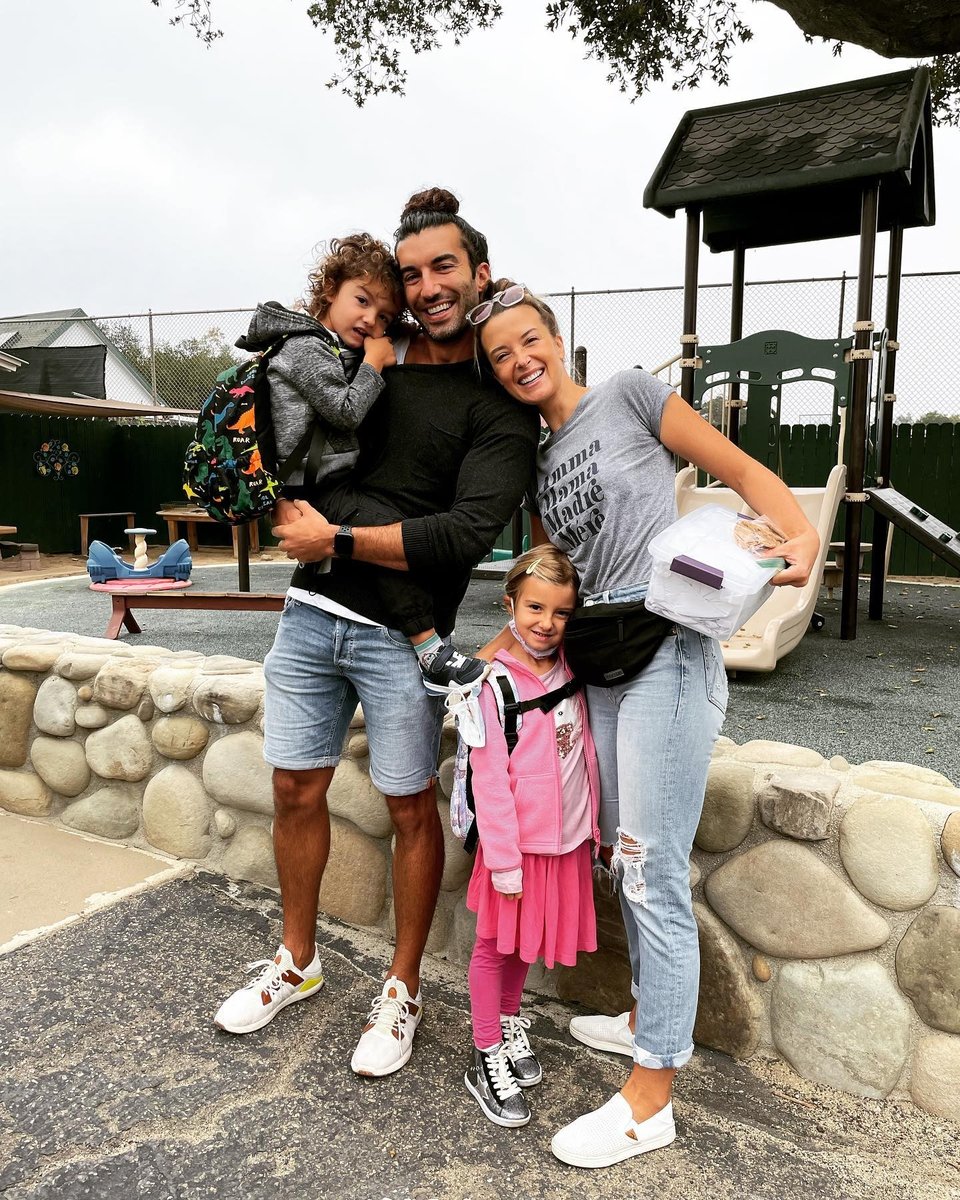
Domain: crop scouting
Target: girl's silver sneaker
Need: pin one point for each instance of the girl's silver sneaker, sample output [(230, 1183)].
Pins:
[(492, 1084)]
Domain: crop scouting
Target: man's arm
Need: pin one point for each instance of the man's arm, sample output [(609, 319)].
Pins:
[(310, 539)]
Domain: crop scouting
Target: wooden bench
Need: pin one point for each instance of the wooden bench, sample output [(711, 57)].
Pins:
[(191, 517), (123, 602), (85, 519)]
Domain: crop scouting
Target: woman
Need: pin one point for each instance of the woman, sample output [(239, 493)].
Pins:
[(605, 487)]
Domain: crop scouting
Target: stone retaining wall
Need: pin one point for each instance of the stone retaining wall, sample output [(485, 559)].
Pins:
[(827, 894)]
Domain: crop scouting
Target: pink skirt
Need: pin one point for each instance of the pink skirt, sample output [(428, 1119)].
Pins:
[(553, 919)]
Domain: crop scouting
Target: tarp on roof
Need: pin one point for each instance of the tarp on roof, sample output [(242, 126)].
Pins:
[(62, 406), (60, 371), (792, 167)]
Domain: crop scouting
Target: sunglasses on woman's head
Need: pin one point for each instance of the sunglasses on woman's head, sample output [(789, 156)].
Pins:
[(506, 299)]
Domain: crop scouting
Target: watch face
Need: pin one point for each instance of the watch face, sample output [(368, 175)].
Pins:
[(343, 542)]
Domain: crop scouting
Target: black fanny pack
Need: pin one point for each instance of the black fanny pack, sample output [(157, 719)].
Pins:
[(606, 644)]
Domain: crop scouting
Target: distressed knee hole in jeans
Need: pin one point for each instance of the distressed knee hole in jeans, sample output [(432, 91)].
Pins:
[(630, 857)]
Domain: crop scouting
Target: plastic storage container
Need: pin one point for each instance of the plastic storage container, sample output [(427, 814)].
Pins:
[(712, 569)]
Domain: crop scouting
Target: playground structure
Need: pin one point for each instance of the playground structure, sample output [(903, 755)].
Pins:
[(828, 162), (105, 565)]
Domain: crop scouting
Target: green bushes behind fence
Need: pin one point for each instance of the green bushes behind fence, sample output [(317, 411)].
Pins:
[(136, 468)]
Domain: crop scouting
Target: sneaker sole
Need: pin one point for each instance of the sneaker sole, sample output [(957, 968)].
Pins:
[(616, 1156), (529, 1082), (291, 999), (601, 1044), (505, 1122)]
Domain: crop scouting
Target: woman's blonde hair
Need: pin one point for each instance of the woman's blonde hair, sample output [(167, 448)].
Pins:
[(544, 562)]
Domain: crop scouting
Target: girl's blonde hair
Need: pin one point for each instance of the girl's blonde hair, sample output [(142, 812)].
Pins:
[(544, 562)]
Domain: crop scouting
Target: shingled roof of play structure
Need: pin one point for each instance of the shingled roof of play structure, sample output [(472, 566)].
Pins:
[(792, 168)]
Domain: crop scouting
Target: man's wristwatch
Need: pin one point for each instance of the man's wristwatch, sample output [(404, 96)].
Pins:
[(343, 542)]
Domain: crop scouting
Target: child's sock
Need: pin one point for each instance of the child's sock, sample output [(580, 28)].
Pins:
[(427, 651)]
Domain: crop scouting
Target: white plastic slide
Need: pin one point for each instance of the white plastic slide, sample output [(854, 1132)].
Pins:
[(779, 624)]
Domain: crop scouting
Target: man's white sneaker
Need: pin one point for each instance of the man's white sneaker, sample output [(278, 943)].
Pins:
[(611, 1034), (280, 982), (387, 1039), (609, 1134)]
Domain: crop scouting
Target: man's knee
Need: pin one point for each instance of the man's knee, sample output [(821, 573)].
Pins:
[(416, 814), (301, 793)]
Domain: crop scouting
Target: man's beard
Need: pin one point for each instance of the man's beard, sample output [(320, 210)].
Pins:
[(465, 302)]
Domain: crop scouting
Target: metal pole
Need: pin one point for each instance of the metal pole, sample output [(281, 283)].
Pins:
[(153, 359), (881, 526), (243, 558), (862, 351), (691, 268), (736, 333), (580, 365), (573, 306), (843, 304)]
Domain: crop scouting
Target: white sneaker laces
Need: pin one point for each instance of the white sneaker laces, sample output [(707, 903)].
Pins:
[(515, 1040), (501, 1077), (271, 977), (388, 1013)]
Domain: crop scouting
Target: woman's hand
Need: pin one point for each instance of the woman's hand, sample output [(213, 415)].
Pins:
[(801, 555)]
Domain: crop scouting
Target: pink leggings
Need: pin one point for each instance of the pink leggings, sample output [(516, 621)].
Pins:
[(496, 984)]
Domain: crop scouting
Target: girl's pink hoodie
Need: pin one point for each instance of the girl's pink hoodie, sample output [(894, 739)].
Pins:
[(518, 796)]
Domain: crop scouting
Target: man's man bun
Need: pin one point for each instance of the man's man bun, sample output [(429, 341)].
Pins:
[(437, 200)]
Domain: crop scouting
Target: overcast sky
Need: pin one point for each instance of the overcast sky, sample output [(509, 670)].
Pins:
[(143, 170)]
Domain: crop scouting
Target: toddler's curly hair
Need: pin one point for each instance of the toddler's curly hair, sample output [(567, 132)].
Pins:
[(354, 257)]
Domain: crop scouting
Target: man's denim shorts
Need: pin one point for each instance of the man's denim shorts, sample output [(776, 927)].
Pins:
[(320, 666)]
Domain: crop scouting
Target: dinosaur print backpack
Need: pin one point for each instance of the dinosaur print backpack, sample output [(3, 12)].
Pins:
[(230, 468)]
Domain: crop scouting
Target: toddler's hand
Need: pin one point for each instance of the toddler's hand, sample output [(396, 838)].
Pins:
[(378, 352), (285, 511)]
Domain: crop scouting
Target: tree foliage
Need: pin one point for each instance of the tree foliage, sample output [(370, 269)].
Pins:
[(186, 370), (685, 41)]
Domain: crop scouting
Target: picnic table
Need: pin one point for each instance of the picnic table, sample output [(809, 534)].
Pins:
[(85, 518), (191, 517)]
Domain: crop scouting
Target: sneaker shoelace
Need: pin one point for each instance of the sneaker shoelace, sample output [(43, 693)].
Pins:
[(515, 1040), (388, 1013), (271, 977), (501, 1077)]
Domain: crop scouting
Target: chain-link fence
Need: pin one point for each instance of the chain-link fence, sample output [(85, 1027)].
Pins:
[(172, 358)]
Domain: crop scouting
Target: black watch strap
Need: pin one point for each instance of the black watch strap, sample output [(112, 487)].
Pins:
[(343, 542)]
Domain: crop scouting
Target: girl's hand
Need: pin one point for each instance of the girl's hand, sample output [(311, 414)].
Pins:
[(512, 895), (801, 554)]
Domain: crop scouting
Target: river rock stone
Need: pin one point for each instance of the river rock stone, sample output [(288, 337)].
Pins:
[(250, 856), (600, 981), (171, 685), (782, 753), (91, 716), (38, 656), (695, 875), (121, 751), (727, 806), (24, 793), (176, 813), (445, 776), (17, 697), (950, 842), (358, 746), (61, 764), (145, 709), (228, 699), (839, 763), (784, 901), (729, 1010), (355, 882), (181, 738), (55, 707), (111, 812), (77, 663), (85, 693), (121, 682), (928, 966), (226, 664), (842, 1024), (889, 851), (457, 863), (724, 746), (904, 779), (353, 795), (935, 1081), (235, 773), (799, 804), (226, 822), (761, 968)]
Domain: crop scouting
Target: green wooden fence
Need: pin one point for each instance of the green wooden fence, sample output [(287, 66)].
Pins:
[(137, 468)]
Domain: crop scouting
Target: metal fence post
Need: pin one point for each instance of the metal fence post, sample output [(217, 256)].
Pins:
[(573, 306), (580, 365), (153, 357)]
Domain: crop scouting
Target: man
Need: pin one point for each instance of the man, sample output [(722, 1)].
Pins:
[(451, 453)]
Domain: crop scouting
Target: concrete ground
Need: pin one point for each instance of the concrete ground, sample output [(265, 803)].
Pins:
[(114, 1082)]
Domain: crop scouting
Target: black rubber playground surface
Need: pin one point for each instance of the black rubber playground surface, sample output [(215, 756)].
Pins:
[(893, 693)]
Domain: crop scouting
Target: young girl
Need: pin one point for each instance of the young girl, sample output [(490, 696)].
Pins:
[(532, 883), (327, 375)]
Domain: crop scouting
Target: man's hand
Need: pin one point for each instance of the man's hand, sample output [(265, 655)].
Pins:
[(379, 353), (307, 536)]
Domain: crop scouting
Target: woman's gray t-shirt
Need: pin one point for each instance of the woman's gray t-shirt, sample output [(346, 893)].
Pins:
[(605, 482)]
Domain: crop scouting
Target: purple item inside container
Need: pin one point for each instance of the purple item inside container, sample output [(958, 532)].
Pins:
[(694, 569)]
